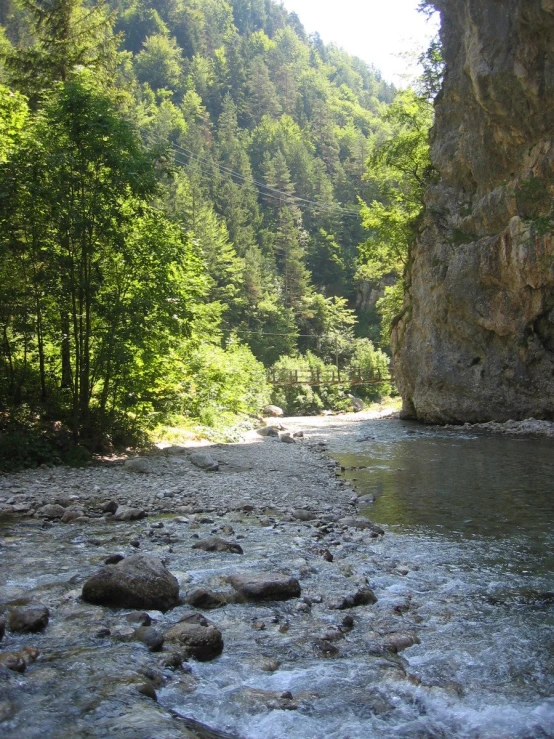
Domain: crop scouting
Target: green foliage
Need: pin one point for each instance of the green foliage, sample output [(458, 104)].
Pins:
[(400, 169), (177, 215)]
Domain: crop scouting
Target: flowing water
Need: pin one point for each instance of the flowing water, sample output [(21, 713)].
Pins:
[(466, 563)]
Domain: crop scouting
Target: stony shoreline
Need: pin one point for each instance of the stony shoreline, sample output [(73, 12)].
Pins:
[(260, 537)]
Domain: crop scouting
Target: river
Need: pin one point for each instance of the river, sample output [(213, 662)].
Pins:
[(474, 513), (465, 565)]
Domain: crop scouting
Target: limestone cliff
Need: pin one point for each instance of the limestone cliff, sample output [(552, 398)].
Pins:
[(476, 339)]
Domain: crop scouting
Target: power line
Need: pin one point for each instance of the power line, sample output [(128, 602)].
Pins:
[(280, 196), (261, 184)]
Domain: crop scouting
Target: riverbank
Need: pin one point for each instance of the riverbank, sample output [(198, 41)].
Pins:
[(90, 671)]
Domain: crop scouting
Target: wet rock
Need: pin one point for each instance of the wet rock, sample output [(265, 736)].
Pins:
[(172, 660), (270, 665), (273, 410), (52, 510), (2, 627), (147, 689), (255, 700), (366, 500), (139, 465), (265, 587), (215, 544), (269, 431), (204, 598), (29, 655), (13, 661), (398, 642), (150, 636), (360, 523), (301, 514), (362, 597), (113, 559), (324, 648), (200, 637), (139, 581), (28, 620), (140, 617), (123, 632), (204, 461), (128, 513), (71, 515)]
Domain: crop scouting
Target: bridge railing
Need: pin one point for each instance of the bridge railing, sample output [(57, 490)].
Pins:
[(329, 376)]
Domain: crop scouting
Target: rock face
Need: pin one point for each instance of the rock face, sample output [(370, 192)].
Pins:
[(138, 581), (476, 338)]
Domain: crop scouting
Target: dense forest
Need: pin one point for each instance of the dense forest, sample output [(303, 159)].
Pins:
[(192, 192)]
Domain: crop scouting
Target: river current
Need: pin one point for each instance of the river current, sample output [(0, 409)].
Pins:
[(476, 513)]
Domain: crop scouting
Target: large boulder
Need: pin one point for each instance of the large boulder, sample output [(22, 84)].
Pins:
[(200, 637), (139, 581), (265, 587)]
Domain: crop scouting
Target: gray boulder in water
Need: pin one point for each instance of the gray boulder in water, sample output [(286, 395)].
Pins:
[(139, 581), (200, 637)]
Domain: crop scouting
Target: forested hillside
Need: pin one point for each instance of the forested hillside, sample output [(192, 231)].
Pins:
[(182, 189)]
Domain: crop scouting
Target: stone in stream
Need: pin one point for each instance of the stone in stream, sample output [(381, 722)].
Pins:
[(362, 597), (128, 513), (361, 523), (139, 581), (301, 514), (398, 642), (150, 636), (204, 598), (147, 690), (52, 510), (265, 587), (28, 620), (70, 515), (204, 461), (13, 661), (200, 637), (139, 617), (216, 544)]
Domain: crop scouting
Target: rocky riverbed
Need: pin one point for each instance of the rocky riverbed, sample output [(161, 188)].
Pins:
[(138, 596)]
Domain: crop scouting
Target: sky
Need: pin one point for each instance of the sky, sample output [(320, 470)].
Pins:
[(378, 31)]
